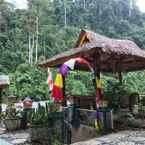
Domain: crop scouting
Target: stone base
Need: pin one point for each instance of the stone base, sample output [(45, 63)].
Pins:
[(83, 133), (39, 134)]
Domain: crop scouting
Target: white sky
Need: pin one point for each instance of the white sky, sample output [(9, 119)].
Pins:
[(141, 5), (22, 4)]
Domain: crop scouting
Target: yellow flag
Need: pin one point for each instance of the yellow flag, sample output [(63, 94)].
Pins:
[(97, 126), (59, 80), (98, 82)]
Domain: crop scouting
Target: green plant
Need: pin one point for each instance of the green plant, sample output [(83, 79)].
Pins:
[(39, 116), (2, 115), (11, 113), (114, 92)]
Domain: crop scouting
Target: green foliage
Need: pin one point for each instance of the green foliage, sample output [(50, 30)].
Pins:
[(29, 81), (38, 116), (134, 82), (113, 91), (79, 83)]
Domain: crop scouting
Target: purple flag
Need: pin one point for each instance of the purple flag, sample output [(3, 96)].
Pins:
[(64, 70)]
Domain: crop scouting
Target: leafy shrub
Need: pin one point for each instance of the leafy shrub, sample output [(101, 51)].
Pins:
[(38, 116)]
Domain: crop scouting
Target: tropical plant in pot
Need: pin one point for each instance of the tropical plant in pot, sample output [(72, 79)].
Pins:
[(38, 122), (12, 120)]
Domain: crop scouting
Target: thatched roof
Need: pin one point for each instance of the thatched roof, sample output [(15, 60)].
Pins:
[(111, 51)]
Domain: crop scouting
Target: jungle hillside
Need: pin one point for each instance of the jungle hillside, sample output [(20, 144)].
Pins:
[(49, 27)]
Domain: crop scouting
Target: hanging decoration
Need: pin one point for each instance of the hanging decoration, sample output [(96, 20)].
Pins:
[(57, 85), (63, 70), (57, 94), (58, 80), (50, 80), (70, 65), (97, 122), (98, 101), (98, 92)]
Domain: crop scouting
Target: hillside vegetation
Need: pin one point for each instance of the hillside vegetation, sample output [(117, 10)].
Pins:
[(49, 27)]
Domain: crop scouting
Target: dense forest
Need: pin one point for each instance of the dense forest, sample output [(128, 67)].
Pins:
[(48, 27)]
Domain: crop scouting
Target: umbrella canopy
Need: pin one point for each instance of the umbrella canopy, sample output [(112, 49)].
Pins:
[(4, 81), (113, 54)]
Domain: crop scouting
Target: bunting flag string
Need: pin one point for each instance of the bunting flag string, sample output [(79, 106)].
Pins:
[(58, 80), (63, 71), (70, 65), (98, 99), (50, 80), (57, 85), (98, 92)]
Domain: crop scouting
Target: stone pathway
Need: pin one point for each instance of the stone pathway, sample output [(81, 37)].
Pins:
[(120, 138), (128, 137), (15, 138)]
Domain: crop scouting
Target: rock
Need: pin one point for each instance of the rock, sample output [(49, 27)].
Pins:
[(83, 133), (122, 138), (126, 143), (18, 141)]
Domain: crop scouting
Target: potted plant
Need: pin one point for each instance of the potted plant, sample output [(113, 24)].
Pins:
[(12, 119), (38, 122)]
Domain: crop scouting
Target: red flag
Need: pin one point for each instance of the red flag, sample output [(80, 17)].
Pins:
[(57, 93)]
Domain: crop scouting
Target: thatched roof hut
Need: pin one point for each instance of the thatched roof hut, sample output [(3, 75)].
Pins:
[(113, 54)]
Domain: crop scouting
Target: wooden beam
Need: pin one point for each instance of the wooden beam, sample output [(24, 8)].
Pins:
[(63, 91)]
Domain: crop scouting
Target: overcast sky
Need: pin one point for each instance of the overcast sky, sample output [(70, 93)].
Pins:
[(21, 4), (141, 5)]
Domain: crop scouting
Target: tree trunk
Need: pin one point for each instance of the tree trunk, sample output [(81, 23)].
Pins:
[(33, 43), (130, 8), (44, 49), (37, 32), (29, 59), (65, 17), (84, 4)]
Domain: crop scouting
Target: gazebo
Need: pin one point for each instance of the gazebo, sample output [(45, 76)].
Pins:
[(4, 82), (103, 53)]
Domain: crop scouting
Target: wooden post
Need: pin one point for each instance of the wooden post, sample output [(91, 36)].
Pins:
[(63, 91), (98, 91), (97, 77), (120, 77), (119, 69)]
